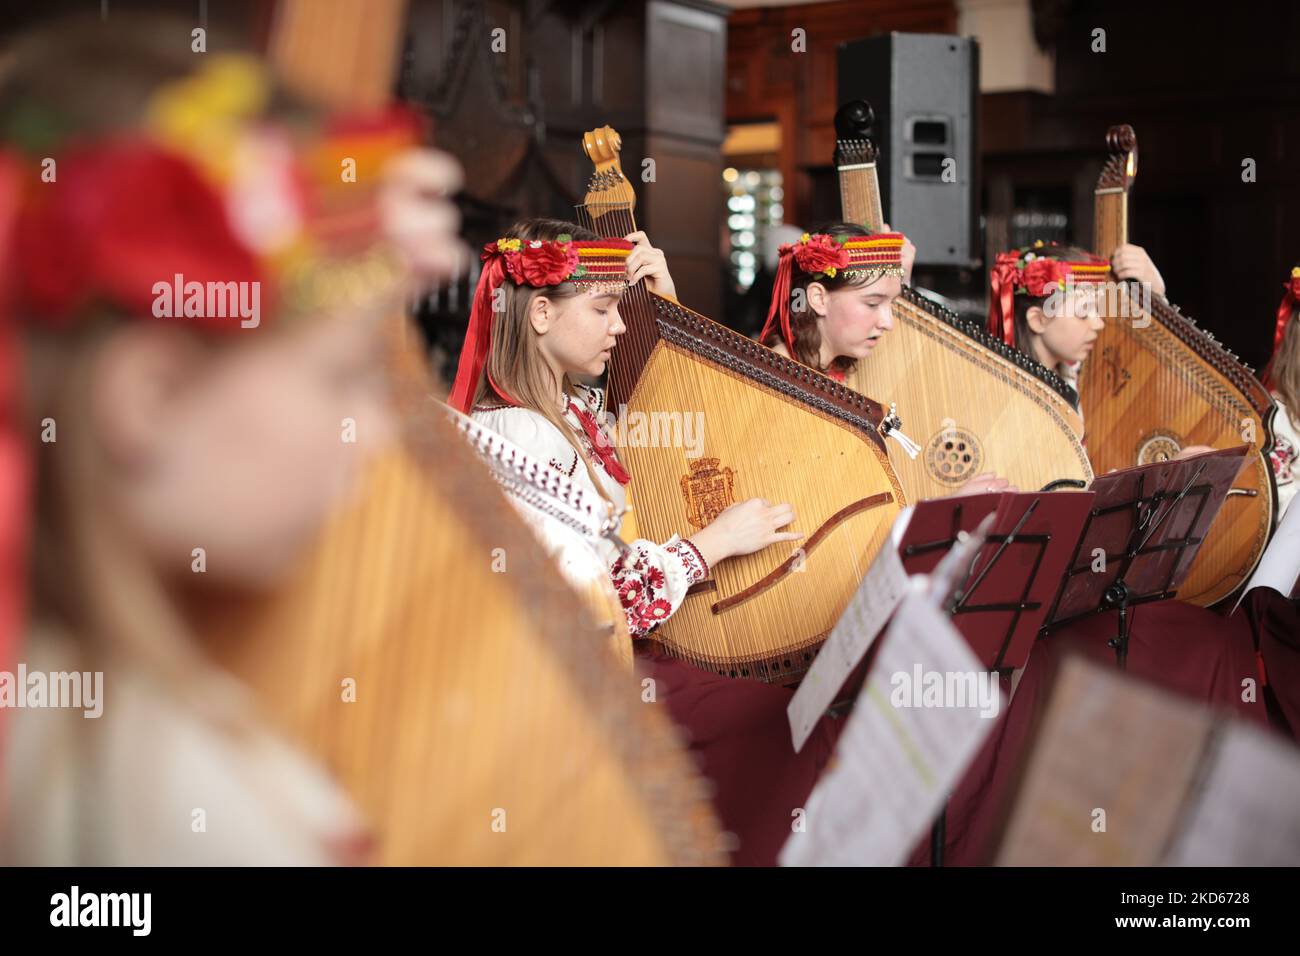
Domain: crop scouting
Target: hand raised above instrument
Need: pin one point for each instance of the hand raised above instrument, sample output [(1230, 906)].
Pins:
[(1132, 262), (647, 262), (984, 483), (419, 217), (744, 528), (908, 254)]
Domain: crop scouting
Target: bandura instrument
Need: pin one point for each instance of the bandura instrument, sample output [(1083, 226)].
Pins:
[(772, 429), (1156, 383), (972, 402), (432, 656)]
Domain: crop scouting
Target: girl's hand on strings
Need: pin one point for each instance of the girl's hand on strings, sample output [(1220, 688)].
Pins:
[(984, 483), (647, 262), (1192, 451), (744, 528)]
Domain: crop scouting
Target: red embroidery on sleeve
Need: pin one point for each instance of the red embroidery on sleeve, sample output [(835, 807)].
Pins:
[(697, 569), (642, 587), (1283, 457)]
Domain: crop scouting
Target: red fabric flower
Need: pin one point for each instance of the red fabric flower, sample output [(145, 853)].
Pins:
[(657, 610), (541, 264), (118, 220), (819, 253), (1042, 276), (629, 592)]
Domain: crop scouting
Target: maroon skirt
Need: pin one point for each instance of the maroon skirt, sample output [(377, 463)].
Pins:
[(1275, 619), (739, 734)]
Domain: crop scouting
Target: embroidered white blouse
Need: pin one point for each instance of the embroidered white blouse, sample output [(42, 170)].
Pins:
[(1286, 450), (650, 579)]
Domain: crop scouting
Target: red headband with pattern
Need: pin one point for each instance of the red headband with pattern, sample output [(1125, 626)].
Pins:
[(529, 262), (826, 256)]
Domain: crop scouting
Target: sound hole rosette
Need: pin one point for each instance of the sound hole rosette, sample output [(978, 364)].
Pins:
[(1158, 446), (953, 455)]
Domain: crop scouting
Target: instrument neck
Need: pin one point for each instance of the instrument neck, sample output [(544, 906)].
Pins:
[(636, 308), (860, 196), (1110, 229), (338, 52)]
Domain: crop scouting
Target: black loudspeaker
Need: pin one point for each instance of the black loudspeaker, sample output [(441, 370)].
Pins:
[(924, 89)]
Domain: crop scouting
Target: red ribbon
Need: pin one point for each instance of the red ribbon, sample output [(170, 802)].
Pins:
[(15, 461), (1003, 279), (478, 337), (600, 444), (778, 312), (1284, 310)]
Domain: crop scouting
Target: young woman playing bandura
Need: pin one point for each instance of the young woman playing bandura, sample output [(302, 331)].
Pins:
[(545, 313)]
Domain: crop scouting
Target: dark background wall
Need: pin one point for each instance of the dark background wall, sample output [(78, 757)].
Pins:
[(652, 69)]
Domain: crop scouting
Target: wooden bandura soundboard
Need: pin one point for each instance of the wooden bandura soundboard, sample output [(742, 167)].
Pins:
[(773, 429), (1156, 383)]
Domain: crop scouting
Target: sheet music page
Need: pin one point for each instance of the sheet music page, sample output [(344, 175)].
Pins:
[(880, 592), (1280, 566), (1108, 773), (924, 710), (1245, 812)]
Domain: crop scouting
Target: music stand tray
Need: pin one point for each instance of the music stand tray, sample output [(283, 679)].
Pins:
[(1144, 528)]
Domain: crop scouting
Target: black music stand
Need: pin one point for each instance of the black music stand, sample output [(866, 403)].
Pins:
[(1002, 603), (1147, 522)]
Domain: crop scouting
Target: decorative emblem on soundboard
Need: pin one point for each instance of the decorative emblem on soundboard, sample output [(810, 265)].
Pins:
[(708, 490), (1113, 374), (1158, 446), (953, 455)]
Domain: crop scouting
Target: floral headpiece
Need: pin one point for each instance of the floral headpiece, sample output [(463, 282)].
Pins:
[(207, 191), (1287, 307), (1030, 271), (540, 263), (826, 256), (598, 264), (202, 195)]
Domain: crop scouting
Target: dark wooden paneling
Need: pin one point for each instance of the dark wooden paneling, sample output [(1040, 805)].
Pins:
[(686, 75), (653, 70), (767, 80), (1204, 87)]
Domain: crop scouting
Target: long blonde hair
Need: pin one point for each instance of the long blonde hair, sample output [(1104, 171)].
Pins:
[(1284, 371), (515, 361)]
